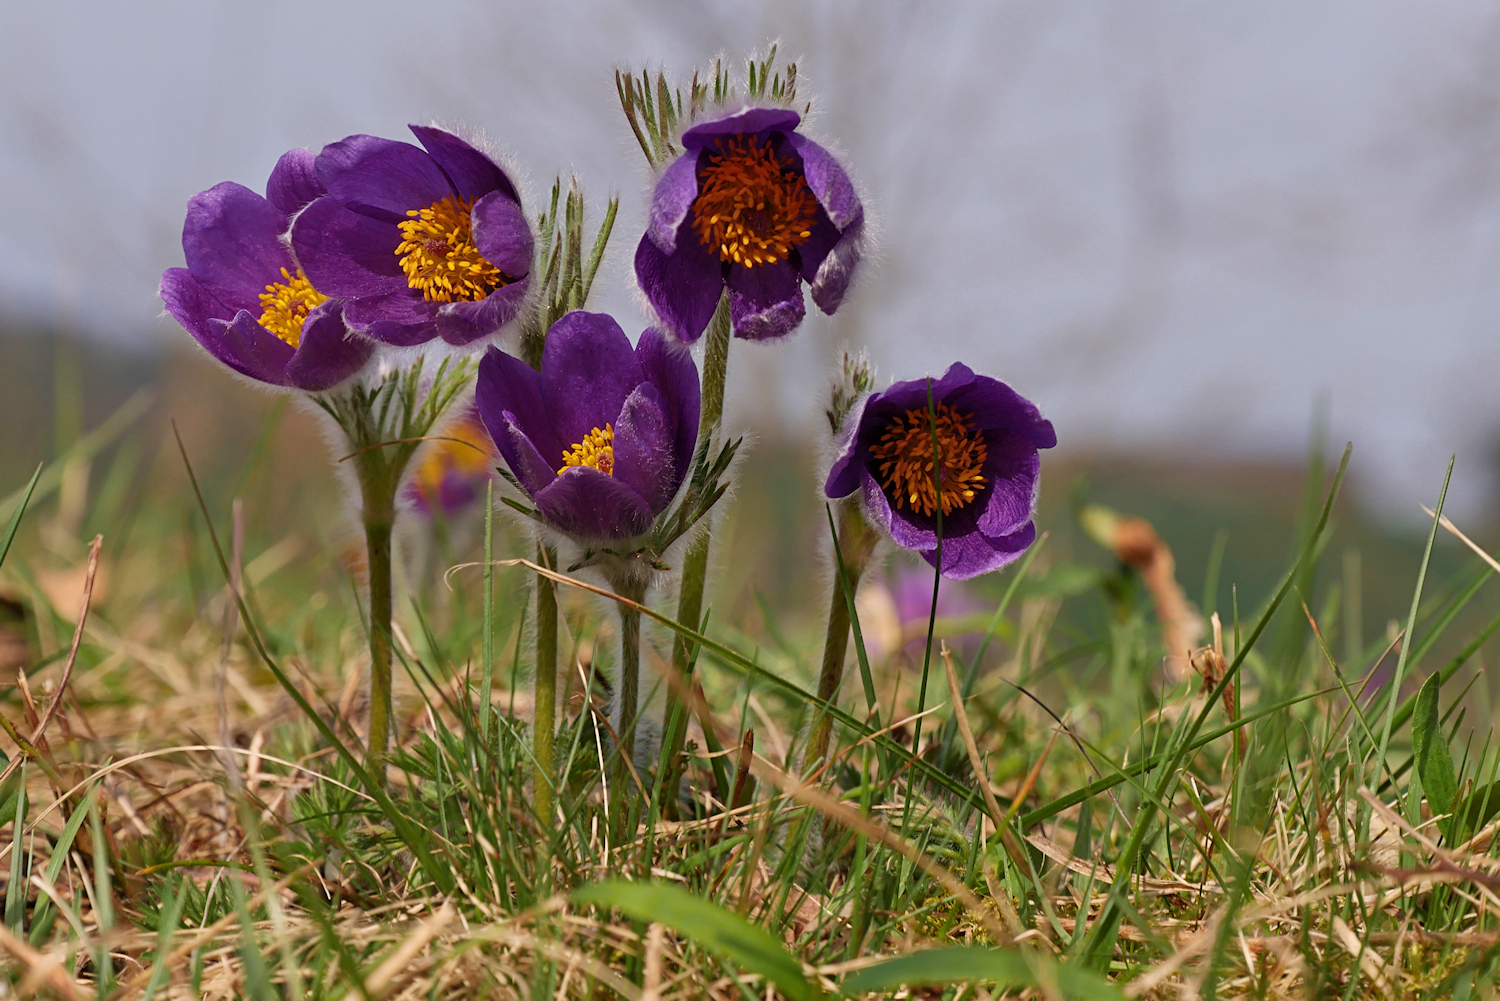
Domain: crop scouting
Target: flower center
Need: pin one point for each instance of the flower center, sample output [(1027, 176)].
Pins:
[(439, 257), (597, 451), (753, 206), (905, 451), (285, 305)]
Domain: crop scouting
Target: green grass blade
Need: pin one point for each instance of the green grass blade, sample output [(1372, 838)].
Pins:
[(171, 918), (84, 448), (441, 875), (717, 929), (60, 849), (1011, 969), (15, 518), (1052, 809), (1099, 945), (15, 890), (1411, 625), (1430, 750)]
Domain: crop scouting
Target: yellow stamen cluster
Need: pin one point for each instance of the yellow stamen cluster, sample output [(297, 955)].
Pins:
[(752, 207), (597, 451), (439, 257), (285, 305), (905, 451)]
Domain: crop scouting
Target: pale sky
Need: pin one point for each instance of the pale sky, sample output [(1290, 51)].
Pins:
[(1174, 225)]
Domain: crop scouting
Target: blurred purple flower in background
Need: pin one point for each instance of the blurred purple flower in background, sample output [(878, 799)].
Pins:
[(894, 610), (452, 473), (755, 206), (243, 297), (600, 438), (987, 439), (422, 243)]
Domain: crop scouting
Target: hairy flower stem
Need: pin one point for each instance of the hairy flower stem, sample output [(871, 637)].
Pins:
[(695, 564), (379, 498), (627, 696), (856, 543), (544, 732), (385, 422)]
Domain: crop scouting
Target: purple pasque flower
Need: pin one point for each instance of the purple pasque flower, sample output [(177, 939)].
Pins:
[(242, 295), (987, 440), (602, 436), (423, 243), (757, 207), (453, 471)]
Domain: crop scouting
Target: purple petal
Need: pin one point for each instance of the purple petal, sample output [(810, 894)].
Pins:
[(327, 354), (683, 287), (957, 387), (644, 450), (232, 241), (671, 200), (1011, 469), (401, 318), (261, 354), (836, 269), (974, 554), (472, 173), (588, 504), (381, 178), (294, 181), (461, 323), (588, 370), (502, 234), (813, 251), (507, 385), (765, 302), (521, 454), (997, 406), (191, 305), (345, 254), (669, 367), (750, 120), (829, 182), (848, 470)]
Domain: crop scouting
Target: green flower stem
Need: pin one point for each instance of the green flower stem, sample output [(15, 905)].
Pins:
[(378, 491), (544, 691), (695, 564), (627, 692), (385, 424), (856, 544), (487, 614)]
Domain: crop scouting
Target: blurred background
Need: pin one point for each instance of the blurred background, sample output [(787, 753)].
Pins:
[(1209, 240)]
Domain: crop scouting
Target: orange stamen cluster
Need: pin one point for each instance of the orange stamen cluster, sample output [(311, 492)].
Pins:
[(285, 305), (439, 257), (753, 206), (905, 454), (597, 451)]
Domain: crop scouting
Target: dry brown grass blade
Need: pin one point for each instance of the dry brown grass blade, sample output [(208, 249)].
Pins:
[(397, 961), (965, 731), (1000, 821), (40, 969), (848, 817), (656, 937), (1461, 537), (125, 763), (67, 673)]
